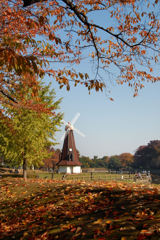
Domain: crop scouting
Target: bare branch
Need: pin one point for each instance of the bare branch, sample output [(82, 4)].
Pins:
[(8, 96)]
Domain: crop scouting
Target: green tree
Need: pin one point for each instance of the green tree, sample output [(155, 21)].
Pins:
[(31, 132), (114, 163), (100, 162), (95, 162), (86, 162)]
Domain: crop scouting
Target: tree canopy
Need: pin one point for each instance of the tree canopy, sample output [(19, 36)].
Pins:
[(121, 38), (115, 162), (31, 133), (148, 156)]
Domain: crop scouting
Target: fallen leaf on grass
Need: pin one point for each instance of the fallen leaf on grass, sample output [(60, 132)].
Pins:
[(127, 228), (99, 221), (145, 232), (78, 229)]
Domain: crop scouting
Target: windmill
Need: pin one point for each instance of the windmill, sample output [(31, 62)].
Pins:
[(69, 160), (70, 126)]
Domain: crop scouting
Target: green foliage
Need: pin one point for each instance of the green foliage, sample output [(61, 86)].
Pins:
[(95, 162), (114, 163), (86, 162), (146, 157), (31, 132)]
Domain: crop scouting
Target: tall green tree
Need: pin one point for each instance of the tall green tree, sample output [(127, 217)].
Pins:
[(31, 132)]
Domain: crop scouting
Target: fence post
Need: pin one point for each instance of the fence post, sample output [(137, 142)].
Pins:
[(91, 175)]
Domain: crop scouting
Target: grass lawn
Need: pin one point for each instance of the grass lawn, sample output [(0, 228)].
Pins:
[(90, 176), (55, 209)]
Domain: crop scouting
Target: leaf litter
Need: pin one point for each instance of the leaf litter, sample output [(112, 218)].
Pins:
[(50, 209)]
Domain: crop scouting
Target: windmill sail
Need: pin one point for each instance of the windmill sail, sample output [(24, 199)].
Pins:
[(70, 126)]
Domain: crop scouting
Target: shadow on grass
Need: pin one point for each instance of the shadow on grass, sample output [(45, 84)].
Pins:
[(11, 175), (82, 212), (2, 170), (5, 173), (155, 179)]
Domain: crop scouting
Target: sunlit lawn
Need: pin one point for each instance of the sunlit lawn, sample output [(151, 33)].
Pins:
[(85, 176), (46, 209)]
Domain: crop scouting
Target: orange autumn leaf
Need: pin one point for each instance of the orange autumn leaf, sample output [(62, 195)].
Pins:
[(41, 33)]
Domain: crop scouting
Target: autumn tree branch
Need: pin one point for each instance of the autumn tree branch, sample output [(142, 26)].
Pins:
[(83, 18), (8, 96)]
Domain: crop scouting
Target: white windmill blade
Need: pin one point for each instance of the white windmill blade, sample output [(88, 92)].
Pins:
[(75, 119), (80, 133)]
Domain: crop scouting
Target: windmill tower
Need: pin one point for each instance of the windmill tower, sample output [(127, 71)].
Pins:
[(69, 160)]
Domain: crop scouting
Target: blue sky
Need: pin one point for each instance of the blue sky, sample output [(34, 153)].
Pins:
[(112, 127)]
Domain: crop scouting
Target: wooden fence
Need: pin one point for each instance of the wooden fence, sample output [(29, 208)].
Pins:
[(105, 176)]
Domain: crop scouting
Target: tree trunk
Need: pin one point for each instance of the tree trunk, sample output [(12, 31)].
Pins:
[(53, 171), (24, 168)]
